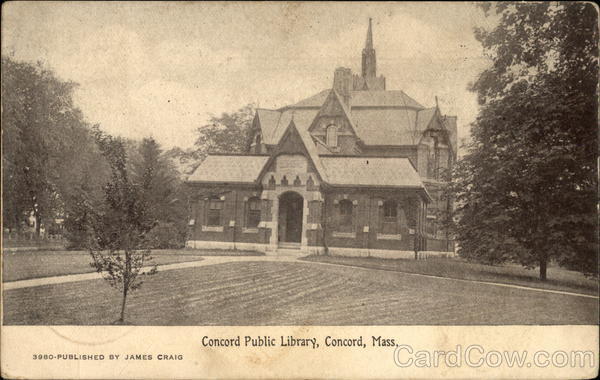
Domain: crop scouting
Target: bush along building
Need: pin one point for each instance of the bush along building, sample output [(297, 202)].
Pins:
[(353, 170)]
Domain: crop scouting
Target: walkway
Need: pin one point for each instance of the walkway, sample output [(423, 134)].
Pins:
[(206, 260), (213, 260)]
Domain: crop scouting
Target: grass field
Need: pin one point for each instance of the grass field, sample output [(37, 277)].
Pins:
[(35, 264), (298, 293), (558, 278)]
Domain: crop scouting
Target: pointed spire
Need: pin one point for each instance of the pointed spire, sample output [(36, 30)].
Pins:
[(369, 43), (369, 62)]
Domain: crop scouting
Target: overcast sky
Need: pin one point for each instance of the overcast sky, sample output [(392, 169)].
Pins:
[(160, 69)]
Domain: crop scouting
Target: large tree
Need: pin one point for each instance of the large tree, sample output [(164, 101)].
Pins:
[(228, 133), (41, 128), (162, 194), (527, 187)]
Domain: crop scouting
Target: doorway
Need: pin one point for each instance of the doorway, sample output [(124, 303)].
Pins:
[(291, 206)]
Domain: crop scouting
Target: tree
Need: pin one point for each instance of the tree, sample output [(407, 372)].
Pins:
[(228, 133), (118, 231), (526, 189), (82, 188), (41, 128), (162, 195)]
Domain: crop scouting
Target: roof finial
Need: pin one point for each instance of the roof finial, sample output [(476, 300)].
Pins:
[(436, 102)]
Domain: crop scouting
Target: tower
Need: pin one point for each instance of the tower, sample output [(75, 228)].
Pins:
[(369, 62)]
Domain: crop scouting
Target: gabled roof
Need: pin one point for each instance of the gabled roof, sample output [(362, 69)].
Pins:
[(311, 148), (302, 119), (293, 132), (268, 120), (228, 168), (273, 123), (424, 118), (372, 171), (346, 113), (377, 117), (316, 100)]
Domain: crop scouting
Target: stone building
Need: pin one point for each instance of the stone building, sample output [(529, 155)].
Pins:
[(353, 170)]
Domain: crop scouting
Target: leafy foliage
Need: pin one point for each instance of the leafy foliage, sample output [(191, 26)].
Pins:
[(42, 133), (526, 189), (227, 133), (118, 248), (162, 194)]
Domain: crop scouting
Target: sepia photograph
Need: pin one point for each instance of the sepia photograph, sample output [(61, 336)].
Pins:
[(303, 164)]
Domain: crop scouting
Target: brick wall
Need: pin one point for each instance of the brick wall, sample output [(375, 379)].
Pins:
[(234, 209)]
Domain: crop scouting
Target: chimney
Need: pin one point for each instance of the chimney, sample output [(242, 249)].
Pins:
[(342, 83)]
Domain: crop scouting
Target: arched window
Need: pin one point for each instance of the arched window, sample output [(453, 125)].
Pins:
[(213, 213), (253, 212), (332, 138)]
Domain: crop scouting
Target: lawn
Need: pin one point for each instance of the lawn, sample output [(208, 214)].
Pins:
[(558, 278), (34, 264), (294, 293)]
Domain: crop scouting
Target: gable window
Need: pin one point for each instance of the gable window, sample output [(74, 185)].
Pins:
[(253, 213), (213, 217), (257, 146), (346, 207), (332, 137)]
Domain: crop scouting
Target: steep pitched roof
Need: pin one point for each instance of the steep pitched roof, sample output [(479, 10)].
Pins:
[(333, 96), (312, 151), (273, 123), (377, 117), (289, 143), (424, 118), (313, 101), (229, 168), (302, 120), (268, 120)]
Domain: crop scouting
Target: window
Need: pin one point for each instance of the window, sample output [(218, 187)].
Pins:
[(253, 213), (213, 218), (389, 217), (331, 138), (390, 211), (345, 215), (257, 147)]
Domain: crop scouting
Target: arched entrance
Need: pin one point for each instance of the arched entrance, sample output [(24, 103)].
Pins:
[(290, 217)]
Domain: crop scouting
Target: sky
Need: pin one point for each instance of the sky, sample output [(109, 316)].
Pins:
[(161, 69)]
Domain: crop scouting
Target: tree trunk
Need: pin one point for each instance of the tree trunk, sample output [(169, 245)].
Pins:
[(38, 224), (543, 267), (126, 277), (122, 319)]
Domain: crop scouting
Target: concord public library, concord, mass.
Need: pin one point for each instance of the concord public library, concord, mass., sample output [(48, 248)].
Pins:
[(353, 170)]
